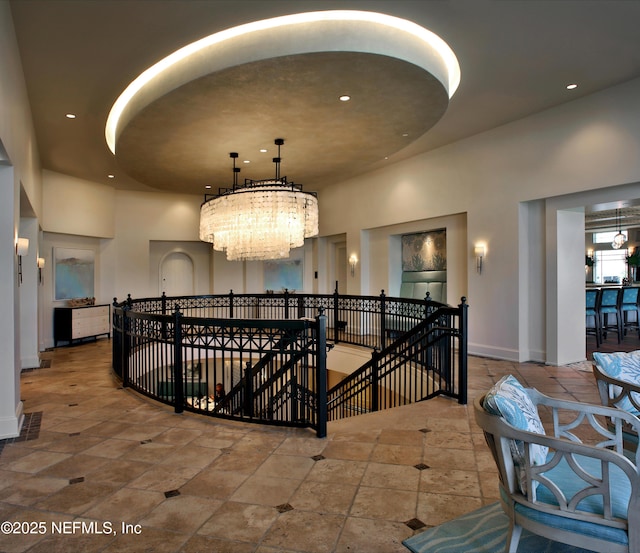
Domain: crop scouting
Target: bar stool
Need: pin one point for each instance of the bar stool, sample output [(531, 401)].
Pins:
[(591, 310), (629, 304), (607, 306)]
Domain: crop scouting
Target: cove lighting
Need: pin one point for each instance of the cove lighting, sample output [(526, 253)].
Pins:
[(435, 52)]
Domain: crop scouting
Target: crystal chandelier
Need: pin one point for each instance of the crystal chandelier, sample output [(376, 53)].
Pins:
[(619, 239), (261, 219)]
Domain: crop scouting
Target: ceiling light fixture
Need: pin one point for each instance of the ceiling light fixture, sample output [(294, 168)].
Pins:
[(619, 239), (572, 86), (345, 98), (260, 219), (70, 115)]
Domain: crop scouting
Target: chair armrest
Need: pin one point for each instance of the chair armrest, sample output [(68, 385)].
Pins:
[(619, 389), (571, 451), (613, 436)]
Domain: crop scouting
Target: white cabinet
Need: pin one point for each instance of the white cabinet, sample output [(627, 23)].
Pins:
[(76, 323)]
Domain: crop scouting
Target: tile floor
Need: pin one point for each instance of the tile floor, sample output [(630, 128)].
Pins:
[(97, 456)]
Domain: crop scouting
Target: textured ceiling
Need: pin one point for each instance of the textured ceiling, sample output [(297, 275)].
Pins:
[(180, 140), (515, 58)]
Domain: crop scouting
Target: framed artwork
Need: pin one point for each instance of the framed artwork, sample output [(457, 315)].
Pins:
[(73, 273), (283, 273), (425, 251)]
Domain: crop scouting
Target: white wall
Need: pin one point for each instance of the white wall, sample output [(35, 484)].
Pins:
[(77, 206), (587, 144), (19, 167)]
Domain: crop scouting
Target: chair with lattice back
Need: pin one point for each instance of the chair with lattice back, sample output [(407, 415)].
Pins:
[(585, 494)]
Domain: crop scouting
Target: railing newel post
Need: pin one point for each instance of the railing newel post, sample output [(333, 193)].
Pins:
[(126, 346), (383, 320), (248, 391), (375, 383), (336, 318), (321, 373), (462, 350), (178, 384), (286, 303), (231, 304)]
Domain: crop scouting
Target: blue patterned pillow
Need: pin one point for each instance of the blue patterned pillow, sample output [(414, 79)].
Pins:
[(508, 399), (623, 366)]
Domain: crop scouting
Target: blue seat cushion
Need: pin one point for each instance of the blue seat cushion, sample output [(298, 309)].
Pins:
[(570, 484)]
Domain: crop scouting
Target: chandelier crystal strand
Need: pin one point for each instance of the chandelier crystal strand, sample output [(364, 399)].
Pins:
[(261, 220)]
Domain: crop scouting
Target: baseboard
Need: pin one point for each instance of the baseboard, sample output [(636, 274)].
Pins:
[(10, 427), (30, 363), (494, 352)]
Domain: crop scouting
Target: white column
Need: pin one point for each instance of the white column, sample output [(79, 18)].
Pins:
[(566, 340), (11, 415)]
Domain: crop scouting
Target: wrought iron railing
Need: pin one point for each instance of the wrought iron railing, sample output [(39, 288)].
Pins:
[(268, 352)]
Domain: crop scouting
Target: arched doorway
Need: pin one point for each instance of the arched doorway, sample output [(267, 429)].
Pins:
[(176, 275)]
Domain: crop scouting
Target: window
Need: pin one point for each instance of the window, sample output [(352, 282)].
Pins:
[(610, 266), (606, 237)]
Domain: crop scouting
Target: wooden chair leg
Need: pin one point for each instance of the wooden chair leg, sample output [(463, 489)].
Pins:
[(513, 538)]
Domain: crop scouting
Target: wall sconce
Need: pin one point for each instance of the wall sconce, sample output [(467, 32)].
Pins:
[(479, 252), (589, 260), (40, 263), (353, 261), (22, 248)]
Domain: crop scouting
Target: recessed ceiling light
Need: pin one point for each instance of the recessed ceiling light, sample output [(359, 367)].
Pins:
[(263, 150), (111, 176), (345, 98), (247, 161), (405, 134), (207, 186), (572, 86), (70, 115)]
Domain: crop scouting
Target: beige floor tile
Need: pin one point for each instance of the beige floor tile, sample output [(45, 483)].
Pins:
[(74, 498), (206, 544), (392, 505), (126, 505), (394, 477), (434, 509), (164, 478), (324, 497), (240, 522), (285, 466), (149, 539), (111, 448), (355, 451), (337, 471), (397, 454), (363, 535), (117, 473), (216, 484), (265, 490), (182, 513), (30, 489), (243, 488), (451, 482), (305, 532), (36, 461)]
